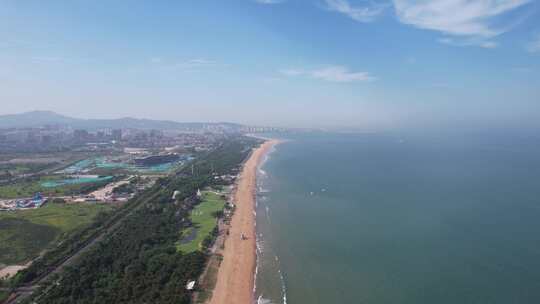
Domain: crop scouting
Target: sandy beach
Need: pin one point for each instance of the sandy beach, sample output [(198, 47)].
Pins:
[(235, 276)]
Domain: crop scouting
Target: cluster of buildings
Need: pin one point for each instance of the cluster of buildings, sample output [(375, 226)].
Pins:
[(58, 138), (33, 139), (170, 140), (105, 135), (52, 138), (23, 203)]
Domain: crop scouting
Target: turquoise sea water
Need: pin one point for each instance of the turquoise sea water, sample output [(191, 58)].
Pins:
[(385, 219)]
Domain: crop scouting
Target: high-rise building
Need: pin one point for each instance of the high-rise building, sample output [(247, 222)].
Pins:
[(117, 134), (80, 135)]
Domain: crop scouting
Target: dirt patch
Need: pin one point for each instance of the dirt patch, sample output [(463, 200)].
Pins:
[(10, 271)]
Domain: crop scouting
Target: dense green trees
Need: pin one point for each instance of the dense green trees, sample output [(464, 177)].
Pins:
[(137, 264)]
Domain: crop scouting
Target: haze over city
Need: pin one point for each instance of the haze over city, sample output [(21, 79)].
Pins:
[(310, 63)]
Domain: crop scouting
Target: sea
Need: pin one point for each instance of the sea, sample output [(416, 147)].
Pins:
[(380, 218)]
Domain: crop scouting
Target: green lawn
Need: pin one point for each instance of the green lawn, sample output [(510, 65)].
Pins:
[(25, 233), (21, 189), (29, 188), (203, 220), (3, 295), (23, 168)]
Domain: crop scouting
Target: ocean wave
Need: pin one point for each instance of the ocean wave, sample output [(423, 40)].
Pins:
[(283, 287), (255, 272), (282, 280), (261, 300), (263, 250), (266, 157), (260, 245), (267, 213)]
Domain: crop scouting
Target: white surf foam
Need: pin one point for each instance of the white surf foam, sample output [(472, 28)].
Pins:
[(260, 245), (261, 300)]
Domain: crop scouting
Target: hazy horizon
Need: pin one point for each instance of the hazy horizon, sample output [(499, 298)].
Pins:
[(321, 63)]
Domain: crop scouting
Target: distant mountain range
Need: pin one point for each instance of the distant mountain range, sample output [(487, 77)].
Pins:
[(43, 118)]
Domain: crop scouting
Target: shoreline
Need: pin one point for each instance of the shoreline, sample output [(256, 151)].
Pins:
[(236, 275)]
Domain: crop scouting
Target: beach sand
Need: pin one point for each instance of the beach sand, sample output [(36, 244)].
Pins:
[(235, 277)]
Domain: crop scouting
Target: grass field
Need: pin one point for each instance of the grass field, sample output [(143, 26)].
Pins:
[(20, 189), (3, 295), (203, 220), (16, 169), (29, 188), (25, 233)]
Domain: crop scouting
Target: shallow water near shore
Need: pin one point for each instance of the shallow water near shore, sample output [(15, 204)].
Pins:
[(362, 218)]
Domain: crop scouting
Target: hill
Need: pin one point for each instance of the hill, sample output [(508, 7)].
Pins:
[(43, 118)]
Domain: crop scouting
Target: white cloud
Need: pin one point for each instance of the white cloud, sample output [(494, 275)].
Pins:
[(201, 62), (534, 46), (333, 73), (488, 44), (269, 1), (469, 20), (292, 72), (365, 13), (340, 74), (197, 63), (463, 22)]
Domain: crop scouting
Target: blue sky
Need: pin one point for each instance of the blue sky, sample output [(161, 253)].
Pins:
[(349, 63)]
